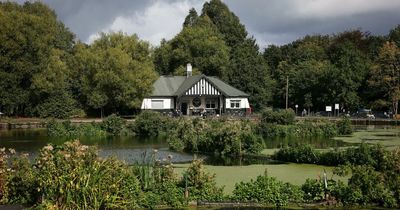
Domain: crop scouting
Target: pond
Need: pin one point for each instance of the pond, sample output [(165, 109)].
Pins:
[(228, 170)]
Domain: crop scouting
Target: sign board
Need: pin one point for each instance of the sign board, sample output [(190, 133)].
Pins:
[(336, 106), (328, 108)]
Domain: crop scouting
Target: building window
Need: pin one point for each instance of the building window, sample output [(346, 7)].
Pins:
[(235, 103), (211, 104), (157, 104)]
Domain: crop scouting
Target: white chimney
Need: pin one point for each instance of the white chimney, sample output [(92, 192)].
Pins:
[(188, 70)]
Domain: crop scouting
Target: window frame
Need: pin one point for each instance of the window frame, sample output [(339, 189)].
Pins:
[(211, 102), (235, 104)]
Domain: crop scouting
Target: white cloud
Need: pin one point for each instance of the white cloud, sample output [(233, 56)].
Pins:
[(162, 19)]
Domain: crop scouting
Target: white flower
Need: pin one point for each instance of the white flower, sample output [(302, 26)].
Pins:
[(48, 147)]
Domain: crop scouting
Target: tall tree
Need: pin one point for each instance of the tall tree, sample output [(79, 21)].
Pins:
[(385, 74), (226, 21), (247, 69), (251, 74), (191, 18), (117, 72), (348, 54), (29, 34), (200, 44)]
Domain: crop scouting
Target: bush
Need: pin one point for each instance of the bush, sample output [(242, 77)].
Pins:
[(200, 183), (344, 126), (66, 128), (72, 176), (372, 155), (113, 124), (266, 190), (280, 116), (159, 182), (300, 153), (59, 106), (150, 123), (230, 138), (301, 129), (314, 190)]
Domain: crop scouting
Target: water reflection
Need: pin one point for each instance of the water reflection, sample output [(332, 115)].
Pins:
[(127, 148)]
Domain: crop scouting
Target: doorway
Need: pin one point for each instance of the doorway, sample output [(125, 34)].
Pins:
[(184, 107)]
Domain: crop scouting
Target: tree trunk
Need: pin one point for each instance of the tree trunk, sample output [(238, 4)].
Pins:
[(395, 108)]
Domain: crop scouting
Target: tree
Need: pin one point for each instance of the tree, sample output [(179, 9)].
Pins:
[(394, 35), (227, 22), (385, 74), (191, 18), (28, 37), (116, 72), (200, 44), (250, 74), (347, 54)]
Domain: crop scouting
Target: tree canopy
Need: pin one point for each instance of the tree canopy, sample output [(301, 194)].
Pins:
[(45, 71)]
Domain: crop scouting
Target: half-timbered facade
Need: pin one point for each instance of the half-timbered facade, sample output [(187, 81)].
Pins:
[(194, 95)]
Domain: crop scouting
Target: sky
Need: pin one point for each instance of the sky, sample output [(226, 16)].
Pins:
[(269, 21)]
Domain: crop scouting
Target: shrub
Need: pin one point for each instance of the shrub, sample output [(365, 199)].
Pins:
[(230, 138), (371, 185), (280, 116), (22, 182), (314, 190), (344, 126), (301, 129), (200, 183), (266, 190), (59, 106), (72, 176), (300, 153), (113, 124), (66, 128), (159, 182), (150, 123)]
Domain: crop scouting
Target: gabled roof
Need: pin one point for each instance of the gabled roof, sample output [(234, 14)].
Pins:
[(167, 85), (178, 85)]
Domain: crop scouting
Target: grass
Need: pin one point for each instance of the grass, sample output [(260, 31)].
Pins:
[(294, 173)]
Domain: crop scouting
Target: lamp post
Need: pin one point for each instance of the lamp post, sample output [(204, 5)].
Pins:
[(297, 106)]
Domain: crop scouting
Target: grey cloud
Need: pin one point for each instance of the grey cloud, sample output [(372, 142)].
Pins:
[(85, 17), (280, 21), (271, 22)]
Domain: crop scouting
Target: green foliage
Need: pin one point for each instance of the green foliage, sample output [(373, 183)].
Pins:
[(150, 123), (199, 44), (314, 190), (385, 73), (280, 117), (301, 153), (201, 185), (32, 63), (116, 71), (371, 155), (72, 176), (159, 182), (215, 136), (298, 130), (344, 126), (266, 190), (113, 124), (66, 128)]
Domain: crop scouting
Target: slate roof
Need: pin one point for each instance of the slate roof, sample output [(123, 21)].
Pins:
[(178, 85)]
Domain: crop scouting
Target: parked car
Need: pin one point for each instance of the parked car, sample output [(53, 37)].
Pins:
[(365, 113)]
